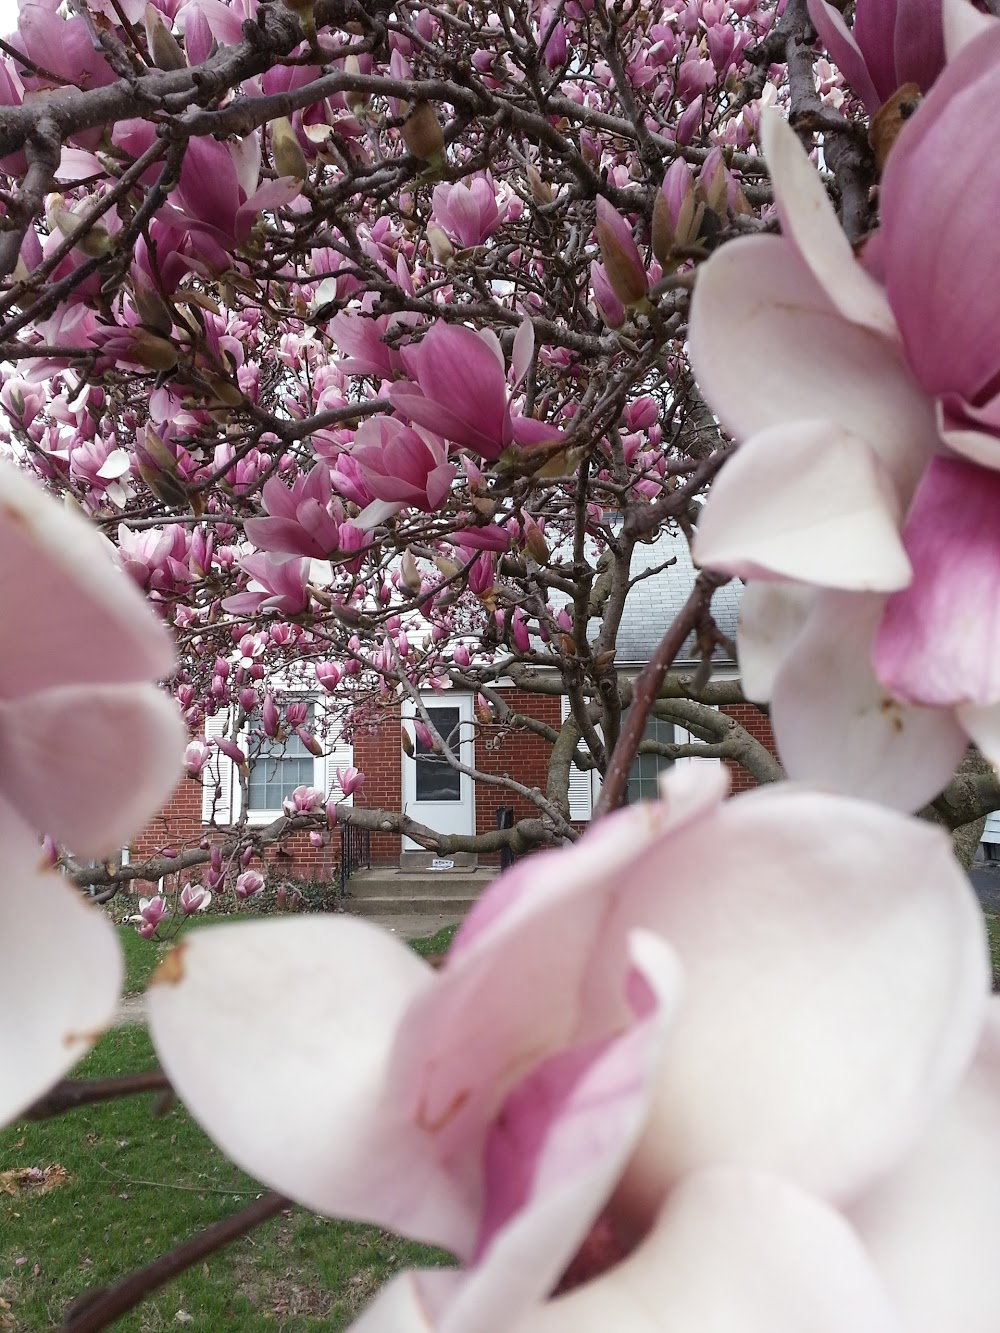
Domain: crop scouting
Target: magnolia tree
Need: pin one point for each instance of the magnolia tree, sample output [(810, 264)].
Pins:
[(374, 339)]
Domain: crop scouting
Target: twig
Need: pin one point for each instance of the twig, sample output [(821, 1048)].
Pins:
[(70, 1093), (96, 1309), (647, 687)]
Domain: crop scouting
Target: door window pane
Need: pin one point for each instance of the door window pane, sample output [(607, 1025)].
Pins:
[(436, 779)]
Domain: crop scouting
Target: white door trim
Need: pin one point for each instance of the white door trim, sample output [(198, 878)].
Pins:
[(457, 813)]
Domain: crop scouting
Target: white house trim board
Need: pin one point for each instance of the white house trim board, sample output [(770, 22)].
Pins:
[(584, 783)]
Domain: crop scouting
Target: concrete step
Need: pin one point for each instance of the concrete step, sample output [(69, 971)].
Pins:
[(408, 905), (444, 885)]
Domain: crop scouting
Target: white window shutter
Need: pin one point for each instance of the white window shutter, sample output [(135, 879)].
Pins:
[(220, 795), (581, 782), (339, 754), (684, 737)]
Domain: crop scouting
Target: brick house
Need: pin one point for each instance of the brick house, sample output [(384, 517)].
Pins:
[(427, 788)]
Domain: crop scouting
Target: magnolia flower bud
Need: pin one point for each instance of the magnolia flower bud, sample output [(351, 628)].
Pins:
[(150, 306), (677, 213), (93, 241), (541, 191), (164, 49), (286, 151), (311, 743), (409, 575), (534, 543), (712, 183), (623, 267), (152, 352), (355, 102), (422, 133), (304, 10), (441, 248)]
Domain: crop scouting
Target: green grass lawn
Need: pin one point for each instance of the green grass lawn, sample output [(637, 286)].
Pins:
[(136, 1185)]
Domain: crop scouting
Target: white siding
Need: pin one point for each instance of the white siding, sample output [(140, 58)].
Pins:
[(584, 785), (220, 794), (339, 754)]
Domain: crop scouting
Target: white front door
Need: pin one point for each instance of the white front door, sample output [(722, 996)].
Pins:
[(434, 793)]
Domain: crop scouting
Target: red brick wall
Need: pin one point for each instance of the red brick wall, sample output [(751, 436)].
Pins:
[(179, 826), (378, 754), (511, 751), (759, 726), (517, 753)]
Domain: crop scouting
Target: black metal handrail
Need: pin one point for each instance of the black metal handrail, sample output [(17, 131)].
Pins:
[(355, 852), (505, 819)]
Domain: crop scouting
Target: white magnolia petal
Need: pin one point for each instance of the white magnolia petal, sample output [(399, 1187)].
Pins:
[(277, 1036), (771, 618), (61, 973), (932, 1226), (130, 735), (115, 465), (836, 725), (768, 348), (835, 984), (410, 1303), (575, 1172), (963, 23), (982, 725), (808, 219), (807, 501), (465, 1043), (976, 445), (84, 619), (376, 512), (733, 1252)]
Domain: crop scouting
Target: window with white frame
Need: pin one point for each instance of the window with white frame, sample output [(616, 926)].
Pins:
[(280, 766), (276, 769), (644, 774), (585, 784)]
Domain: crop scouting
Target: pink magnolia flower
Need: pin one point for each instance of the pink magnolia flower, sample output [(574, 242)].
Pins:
[(76, 699), (892, 42), (247, 884), (460, 390), (275, 585), (303, 801), (151, 912), (195, 758), (328, 675), (746, 1046), (362, 338), (468, 212), (403, 465), (299, 521), (869, 468), (219, 192), (194, 898), (350, 780), (608, 305)]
